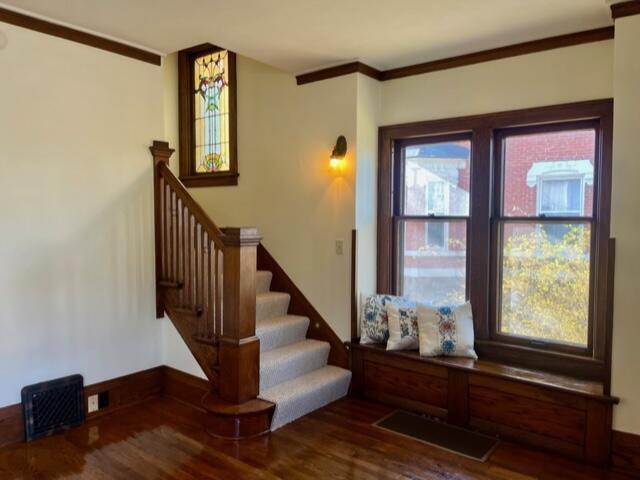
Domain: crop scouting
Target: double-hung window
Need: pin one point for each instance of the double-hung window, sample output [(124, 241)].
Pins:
[(432, 212), (543, 234), (511, 212)]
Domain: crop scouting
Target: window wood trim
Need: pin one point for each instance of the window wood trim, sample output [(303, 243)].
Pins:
[(483, 129), (188, 175)]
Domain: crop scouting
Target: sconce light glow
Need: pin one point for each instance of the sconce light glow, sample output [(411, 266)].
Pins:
[(337, 163)]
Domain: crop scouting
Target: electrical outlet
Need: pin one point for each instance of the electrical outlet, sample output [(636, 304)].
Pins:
[(339, 246), (93, 403)]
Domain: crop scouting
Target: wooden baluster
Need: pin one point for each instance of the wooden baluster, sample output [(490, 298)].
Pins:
[(174, 236), (239, 348), (197, 231), (161, 155), (205, 283), (180, 246), (192, 261), (217, 291), (209, 291), (187, 258), (167, 233), (163, 240)]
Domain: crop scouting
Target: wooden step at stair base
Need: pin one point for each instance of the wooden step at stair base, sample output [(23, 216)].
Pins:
[(236, 422)]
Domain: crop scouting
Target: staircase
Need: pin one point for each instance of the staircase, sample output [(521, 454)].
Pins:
[(294, 374), (269, 356)]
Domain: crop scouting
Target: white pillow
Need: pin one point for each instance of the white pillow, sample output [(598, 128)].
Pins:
[(446, 331), (403, 326), (374, 324)]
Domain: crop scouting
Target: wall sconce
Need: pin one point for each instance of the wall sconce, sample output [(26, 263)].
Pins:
[(338, 162)]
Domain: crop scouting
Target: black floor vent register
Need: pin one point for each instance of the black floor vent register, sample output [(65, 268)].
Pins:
[(453, 439), (53, 406)]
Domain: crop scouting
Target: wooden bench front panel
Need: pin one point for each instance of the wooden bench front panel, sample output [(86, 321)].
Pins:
[(572, 424)]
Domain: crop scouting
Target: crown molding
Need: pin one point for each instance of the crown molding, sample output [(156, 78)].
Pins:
[(625, 9), (550, 43), (68, 33)]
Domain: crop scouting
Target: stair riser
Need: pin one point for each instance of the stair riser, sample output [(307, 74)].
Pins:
[(298, 406), (293, 366), (285, 334), (263, 281), (271, 307)]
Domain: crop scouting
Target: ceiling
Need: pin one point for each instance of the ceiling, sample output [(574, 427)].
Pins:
[(303, 35)]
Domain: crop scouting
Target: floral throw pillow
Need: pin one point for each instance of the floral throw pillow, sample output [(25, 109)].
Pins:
[(446, 331), (403, 326), (374, 323)]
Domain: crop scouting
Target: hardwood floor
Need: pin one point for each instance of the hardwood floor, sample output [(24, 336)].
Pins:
[(163, 438)]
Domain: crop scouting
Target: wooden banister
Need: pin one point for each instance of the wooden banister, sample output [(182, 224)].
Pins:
[(206, 283)]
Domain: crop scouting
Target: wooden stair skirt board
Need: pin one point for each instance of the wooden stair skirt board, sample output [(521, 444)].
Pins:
[(555, 413)]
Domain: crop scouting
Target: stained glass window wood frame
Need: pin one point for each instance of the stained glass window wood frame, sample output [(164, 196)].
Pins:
[(210, 156)]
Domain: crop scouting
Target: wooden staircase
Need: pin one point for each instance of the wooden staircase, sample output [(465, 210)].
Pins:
[(206, 285)]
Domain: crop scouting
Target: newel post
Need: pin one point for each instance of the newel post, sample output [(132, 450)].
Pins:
[(161, 154), (239, 348)]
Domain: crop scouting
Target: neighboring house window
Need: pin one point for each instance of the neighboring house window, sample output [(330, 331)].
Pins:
[(560, 198), (517, 222), (207, 109), (431, 219)]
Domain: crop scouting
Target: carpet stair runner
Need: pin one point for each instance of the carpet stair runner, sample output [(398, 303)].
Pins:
[(294, 374)]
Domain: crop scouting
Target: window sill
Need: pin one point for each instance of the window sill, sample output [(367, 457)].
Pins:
[(562, 383), (210, 180)]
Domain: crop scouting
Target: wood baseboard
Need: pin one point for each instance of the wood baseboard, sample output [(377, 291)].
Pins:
[(123, 392), (625, 453), (184, 387), (11, 425), (166, 381)]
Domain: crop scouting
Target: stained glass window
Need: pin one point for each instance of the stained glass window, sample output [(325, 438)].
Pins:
[(212, 112), (207, 116)]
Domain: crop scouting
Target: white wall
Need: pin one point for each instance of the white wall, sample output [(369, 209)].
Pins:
[(368, 113), (285, 136), (583, 72), (76, 236), (625, 226)]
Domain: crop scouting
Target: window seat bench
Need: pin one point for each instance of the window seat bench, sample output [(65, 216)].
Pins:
[(558, 413)]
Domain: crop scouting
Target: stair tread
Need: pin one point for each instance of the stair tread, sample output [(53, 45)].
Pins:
[(293, 349), (306, 383), (276, 332), (275, 322), (271, 304), (293, 360), (265, 296), (263, 281), (306, 393)]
